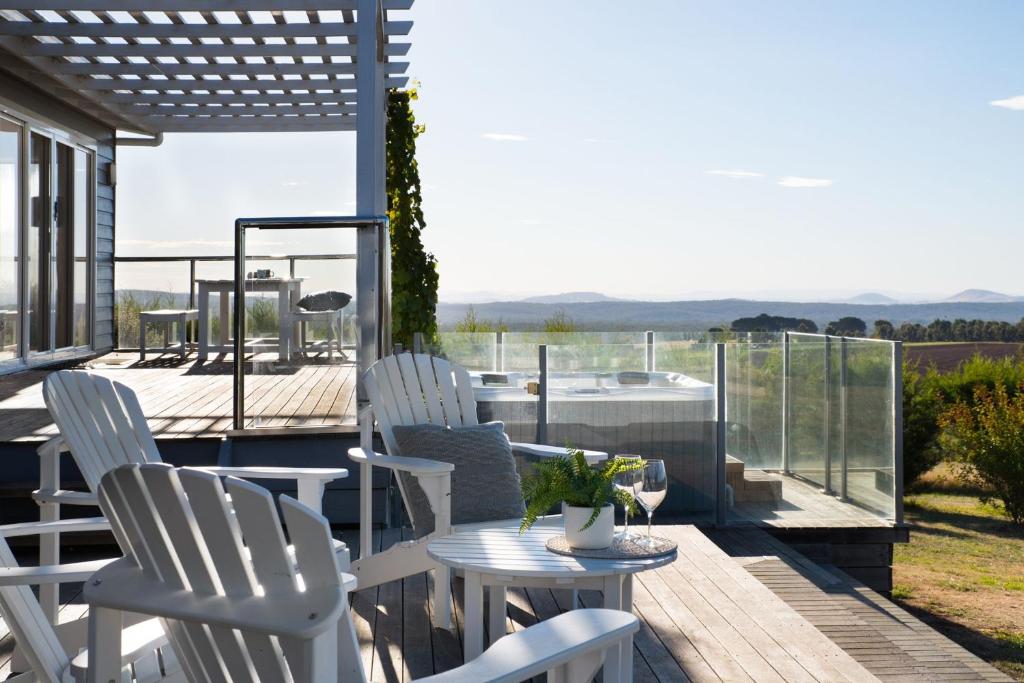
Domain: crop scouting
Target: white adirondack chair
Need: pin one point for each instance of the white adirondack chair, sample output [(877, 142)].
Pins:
[(216, 570), (409, 389), (101, 423), (52, 655)]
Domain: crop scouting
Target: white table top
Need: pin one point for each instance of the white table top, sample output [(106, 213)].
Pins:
[(506, 552), (249, 280)]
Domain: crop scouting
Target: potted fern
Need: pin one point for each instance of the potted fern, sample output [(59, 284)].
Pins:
[(588, 493)]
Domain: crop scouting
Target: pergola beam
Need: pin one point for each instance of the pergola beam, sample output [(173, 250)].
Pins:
[(226, 69), (158, 111), (167, 31), (186, 51), (266, 124), (143, 100), (214, 85)]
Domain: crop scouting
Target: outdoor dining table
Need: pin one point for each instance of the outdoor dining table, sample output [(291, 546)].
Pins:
[(289, 291), (499, 557)]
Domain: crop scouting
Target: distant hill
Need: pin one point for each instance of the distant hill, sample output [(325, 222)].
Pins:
[(569, 298), (699, 315), (981, 296), (871, 298)]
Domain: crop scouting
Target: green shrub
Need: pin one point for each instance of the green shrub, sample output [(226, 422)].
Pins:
[(928, 394), (986, 440)]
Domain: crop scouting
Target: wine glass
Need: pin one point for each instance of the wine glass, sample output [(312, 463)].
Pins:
[(655, 486), (630, 482)]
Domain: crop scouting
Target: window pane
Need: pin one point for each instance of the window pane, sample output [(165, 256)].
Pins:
[(38, 247), (10, 164), (82, 237)]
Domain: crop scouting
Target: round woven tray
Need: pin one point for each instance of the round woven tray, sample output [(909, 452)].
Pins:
[(619, 549)]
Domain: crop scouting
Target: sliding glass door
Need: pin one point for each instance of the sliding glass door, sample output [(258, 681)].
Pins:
[(45, 244)]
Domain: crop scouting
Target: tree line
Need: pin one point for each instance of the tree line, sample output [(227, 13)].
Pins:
[(958, 330)]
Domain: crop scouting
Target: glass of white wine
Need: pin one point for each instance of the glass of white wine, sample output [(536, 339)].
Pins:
[(629, 482), (655, 486)]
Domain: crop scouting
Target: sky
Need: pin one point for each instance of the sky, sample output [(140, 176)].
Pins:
[(664, 150)]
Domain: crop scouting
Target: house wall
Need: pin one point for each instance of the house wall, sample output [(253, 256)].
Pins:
[(27, 100)]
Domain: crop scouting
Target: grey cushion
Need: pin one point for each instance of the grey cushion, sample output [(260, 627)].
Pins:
[(485, 484), (325, 301)]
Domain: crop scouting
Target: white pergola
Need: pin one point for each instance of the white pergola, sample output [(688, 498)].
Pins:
[(169, 66)]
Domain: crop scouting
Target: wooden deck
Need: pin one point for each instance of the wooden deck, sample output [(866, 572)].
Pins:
[(736, 606), (192, 399), (803, 505)]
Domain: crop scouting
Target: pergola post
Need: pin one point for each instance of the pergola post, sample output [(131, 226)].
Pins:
[(372, 248)]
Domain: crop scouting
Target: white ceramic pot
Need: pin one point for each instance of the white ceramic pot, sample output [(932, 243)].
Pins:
[(598, 535)]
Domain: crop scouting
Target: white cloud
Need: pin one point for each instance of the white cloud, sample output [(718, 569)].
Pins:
[(796, 181), (530, 221), (293, 183), (594, 140), (1016, 103), (505, 137), (736, 173)]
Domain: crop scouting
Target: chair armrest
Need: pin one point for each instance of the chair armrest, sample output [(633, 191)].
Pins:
[(323, 474), (137, 640), (53, 446), (543, 451), (64, 497), (420, 467), (72, 572), (544, 646), (122, 586), (64, 526)]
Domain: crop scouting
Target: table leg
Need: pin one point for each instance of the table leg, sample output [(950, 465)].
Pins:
[(627, 593), (473, 629), (284, 335), (204, 323), (224, 321), (496, 603), (613, 600), (182, 327), (293, 301)]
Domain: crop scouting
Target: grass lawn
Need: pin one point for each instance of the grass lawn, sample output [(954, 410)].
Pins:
[(963, 571)]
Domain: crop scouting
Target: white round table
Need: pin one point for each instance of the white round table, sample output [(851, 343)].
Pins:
[(500, 557)]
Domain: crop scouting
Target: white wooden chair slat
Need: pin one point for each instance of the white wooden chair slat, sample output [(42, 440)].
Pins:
[(111, 445), (428, 381), (124, 431), (308, 621), (312, 541), (413, 391), (140, 427), (261, 532), (61, 398), (381, 406), (223, 539), (464, 391), (446, 385), (393, 376)]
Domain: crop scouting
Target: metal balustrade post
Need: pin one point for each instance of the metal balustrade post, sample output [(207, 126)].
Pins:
[(720, 435), (542, 398), (828, 413), (786, 391), (417, 342), (897, 430), (499, 351), (844, 466), (649, 337)]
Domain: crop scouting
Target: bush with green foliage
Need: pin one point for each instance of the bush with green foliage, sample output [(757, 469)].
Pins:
[(986, 440), (570, 479), (928, 394), (414, 277)]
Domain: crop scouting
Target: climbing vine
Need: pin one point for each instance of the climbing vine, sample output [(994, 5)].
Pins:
[(414, 276)]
